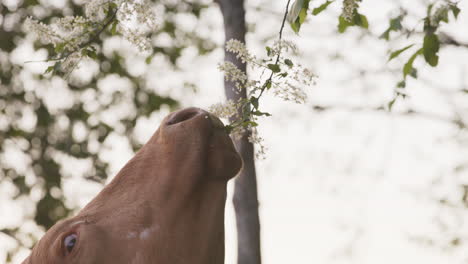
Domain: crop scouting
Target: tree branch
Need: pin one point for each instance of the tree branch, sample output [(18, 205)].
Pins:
[(446, 39), (382, 109)]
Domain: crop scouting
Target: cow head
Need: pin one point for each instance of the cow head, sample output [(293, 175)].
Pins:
[(165, 206)]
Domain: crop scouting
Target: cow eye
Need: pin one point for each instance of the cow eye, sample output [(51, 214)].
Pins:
[(69, 242)]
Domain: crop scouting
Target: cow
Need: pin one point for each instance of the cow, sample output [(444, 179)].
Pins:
[(165, 206)]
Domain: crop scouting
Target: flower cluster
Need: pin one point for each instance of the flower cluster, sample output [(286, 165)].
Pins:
[(286, 80), (137, 38), (282, 46), (256, 139), (71, 62), (233, 74), (72, 36), (42, 31), (95, 10), (67, 35), (349, 9), (140, 14), (238, 48), (224, 110)]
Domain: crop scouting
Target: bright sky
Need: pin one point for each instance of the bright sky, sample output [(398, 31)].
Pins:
[(339, 186)]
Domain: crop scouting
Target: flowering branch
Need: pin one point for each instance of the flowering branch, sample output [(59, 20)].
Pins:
[(286, 80), (72, 36)]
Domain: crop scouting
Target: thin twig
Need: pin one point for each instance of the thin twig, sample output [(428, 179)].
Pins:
[(279, 52), (381, 109), (87, 43), (96, 36)]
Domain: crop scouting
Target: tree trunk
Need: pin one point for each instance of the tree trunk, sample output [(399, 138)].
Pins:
[(245, 192)]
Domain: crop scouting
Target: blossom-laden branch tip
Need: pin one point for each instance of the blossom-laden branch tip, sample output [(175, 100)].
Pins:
[(73, 37), (286, 80)]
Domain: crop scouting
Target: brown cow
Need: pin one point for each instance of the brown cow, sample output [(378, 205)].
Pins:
[(165, 206)]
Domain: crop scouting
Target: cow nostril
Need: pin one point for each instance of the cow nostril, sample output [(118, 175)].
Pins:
[(183, 116)]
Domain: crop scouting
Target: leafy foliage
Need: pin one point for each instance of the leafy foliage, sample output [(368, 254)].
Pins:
[(358, 20), (298, 14), (430, 47), (321, 8)]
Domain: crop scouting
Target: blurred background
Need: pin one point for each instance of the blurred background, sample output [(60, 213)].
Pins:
[(344, 180)]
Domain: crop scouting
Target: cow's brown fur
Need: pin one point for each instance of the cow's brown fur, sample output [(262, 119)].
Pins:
[(166, 206)]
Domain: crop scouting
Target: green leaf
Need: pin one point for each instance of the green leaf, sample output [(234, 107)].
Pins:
[(385, 35), (114, 27), (295, 26), (303, 13), (49, 69), (408, 67), (455, 10), (268, 84), (113, 5), (91, 53), (394, 25), (361, 20), (288, 62), (398, 52), (274, 67), (390, 104), (358, 20), (343, 24), (295, 10), (254, 102), (251, 123), (321, 8), (268, 49), (444, 14), (59, 47), (149, 59), (298, 14), (414, 73), (259, 113), (431, 47), (401, 84)]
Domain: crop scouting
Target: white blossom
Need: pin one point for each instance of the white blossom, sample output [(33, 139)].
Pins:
[(280, 46), (137, 38), (144, 14), (44, 32), (289, 91), (255, 138), (224, 110), (284, 79), (234, 74), (71, 62), (95, 10), (71, 34), (239, 48)]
